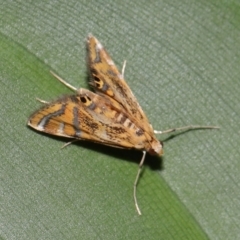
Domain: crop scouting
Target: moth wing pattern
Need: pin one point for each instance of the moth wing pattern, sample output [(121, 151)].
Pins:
[(88, 116), (106, 79)]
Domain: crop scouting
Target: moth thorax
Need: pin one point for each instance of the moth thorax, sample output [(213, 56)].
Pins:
[(156, 148)]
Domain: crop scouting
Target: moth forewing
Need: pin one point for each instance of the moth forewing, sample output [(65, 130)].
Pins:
[(105, 78), (89, 116)]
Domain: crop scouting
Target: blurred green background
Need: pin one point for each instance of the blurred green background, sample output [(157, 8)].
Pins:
[(183, 61)]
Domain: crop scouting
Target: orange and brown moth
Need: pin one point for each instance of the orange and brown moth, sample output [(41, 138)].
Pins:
[(111, 115)]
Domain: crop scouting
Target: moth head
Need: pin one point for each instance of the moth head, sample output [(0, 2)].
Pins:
[(156, 148)]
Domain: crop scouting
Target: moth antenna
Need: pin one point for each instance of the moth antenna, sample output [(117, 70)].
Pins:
[(136, 182), (64, 82), (42, 101), (185, 128), (123, 68)]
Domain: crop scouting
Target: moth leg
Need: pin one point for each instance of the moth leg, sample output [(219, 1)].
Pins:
[(186, 128), (123, 68), (136, 182), (42, 101), (63, 81), (68, 143)]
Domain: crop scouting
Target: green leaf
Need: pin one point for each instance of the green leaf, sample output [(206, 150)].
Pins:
[(183, 63)]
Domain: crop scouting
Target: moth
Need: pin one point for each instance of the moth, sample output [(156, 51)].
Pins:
[(111, 115)]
